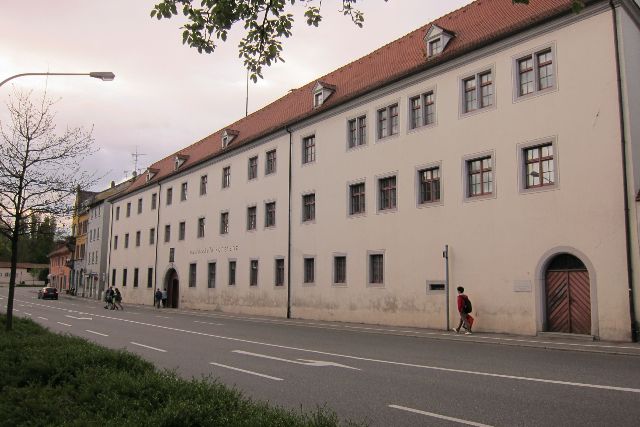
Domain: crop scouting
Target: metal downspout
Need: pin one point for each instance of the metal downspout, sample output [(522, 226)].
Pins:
[(155, 265), (289, 228), (623, 143)]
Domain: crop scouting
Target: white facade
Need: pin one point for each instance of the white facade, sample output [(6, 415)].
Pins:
[(502, 244), (97, 248)]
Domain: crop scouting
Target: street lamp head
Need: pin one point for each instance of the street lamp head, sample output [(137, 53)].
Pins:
[(105, 76)]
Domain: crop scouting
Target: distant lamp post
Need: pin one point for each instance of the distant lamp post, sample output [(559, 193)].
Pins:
[(535, 174), (105, 76)]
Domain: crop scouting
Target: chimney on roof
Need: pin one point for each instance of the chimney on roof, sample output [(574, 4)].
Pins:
[(113, 184), (134, 174)]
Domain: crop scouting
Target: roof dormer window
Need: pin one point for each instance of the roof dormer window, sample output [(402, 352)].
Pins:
[(179, 160), (227, 136), (151, 172), (436, 40), (322, 91)]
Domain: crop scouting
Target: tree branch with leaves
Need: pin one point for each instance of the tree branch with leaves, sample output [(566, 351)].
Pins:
[(39, 170)]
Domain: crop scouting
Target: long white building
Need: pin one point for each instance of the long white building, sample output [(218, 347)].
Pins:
[(505, 133)]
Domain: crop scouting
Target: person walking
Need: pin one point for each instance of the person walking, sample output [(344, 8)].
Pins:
[(158, 296), (108, 298), (464, 308), (117, 300), (164, 297)]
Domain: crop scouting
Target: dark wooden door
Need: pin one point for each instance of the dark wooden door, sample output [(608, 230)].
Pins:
[(568, 301)]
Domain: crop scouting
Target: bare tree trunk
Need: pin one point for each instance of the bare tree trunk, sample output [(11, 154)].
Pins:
[(12, 277)]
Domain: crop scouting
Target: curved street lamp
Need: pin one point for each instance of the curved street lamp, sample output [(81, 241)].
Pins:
[(105, 76)]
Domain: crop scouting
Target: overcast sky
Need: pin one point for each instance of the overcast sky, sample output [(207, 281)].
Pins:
[(166, 95)]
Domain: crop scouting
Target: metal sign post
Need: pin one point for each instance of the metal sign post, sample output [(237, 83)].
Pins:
[(445, 255)]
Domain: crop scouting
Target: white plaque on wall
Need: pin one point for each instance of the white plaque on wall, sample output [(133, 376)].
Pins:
[(522, 286)]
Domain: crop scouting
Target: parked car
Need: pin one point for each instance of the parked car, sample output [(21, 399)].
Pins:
[(48, 293)]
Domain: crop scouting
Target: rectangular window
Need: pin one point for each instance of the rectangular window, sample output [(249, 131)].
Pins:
[(477, 91), (124, 277), (270, 165), (279, 272), (535, 72), (357, 131), (128, 209), (357, 204), (251, 218), (226, 177), (192, 275), (388, 123), (435, 47), (183, 192), (376, 269), (140, 205), (480, 176), (126, 241), (309, 207), (340, 269), (115, 242), (232, 273), (224, 223), (422, 110), (211, 275), (169, 196), (309, 270), (149, 277), (200, 227), (182, 228), (203, 185), (539, 166), (309, 149), (387, 193), (154, 201), (152, 236), (117, 213), (172, 255), (137, 238), (113, 277), (270, 214), (167, 233), (253, 168), (429, 182), (253, 273), (135, 277)]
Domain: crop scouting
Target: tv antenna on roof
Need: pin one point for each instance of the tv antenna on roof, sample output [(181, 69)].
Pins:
[(135, 156)]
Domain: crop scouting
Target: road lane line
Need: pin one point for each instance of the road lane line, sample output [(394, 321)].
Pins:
[(442, 417), (65, 324), (247, 372), (163, 317), (28, 314), (97, 333), (43, 318), (365, 359), (297, 362), (208, 323), (147, 346)]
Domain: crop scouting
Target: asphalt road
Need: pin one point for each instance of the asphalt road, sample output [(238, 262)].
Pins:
[(383, 376)]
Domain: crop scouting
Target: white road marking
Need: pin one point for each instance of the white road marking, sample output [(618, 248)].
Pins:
[(246, 372), (43, 318), (442, 417), (297, 362), (147, 346), (78, 318), (28, 314), (163, 317), (97, 333), (208, 323), (64, 324), (346, 356)]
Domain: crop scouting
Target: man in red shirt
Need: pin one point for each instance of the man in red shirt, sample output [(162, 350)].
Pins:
[(463, 304)]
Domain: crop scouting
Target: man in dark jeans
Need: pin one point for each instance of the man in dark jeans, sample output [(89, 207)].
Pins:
[(158, 296), (464, 312)]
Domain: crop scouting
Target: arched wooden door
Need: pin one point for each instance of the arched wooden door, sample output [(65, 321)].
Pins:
[(568, 296), (172, 285)]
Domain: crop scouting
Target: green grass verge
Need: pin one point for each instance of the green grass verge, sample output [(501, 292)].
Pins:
[(48, 379)]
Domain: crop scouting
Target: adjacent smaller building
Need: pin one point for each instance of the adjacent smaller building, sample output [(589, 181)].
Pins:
[(60, 262), (26, 273)]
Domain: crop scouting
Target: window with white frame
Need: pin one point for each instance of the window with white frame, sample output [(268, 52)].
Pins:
[(253, 168), (376, 269), (270, 164), (226, 177), (253, 273), (536, 72), (203, 185), (422, 110), (357, 131), (357, 205), (387, 193), (477, 91), (183, 192), (309, 270), (224, 223), (270, 214), (435, 47), (200, 227), (340, 269), (251, 218), (309, 207), (309, 149), (479, 176), (429, 185), (387, 121)]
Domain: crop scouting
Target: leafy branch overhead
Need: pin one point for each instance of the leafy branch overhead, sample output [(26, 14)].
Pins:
[(266, 22)]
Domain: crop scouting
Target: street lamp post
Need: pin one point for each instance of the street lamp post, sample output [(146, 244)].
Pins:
[(105, 76)]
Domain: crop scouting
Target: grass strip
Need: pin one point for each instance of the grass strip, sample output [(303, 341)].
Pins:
[(47, 379)]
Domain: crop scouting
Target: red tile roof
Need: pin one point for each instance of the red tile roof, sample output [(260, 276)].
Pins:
[(475, 25)]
